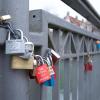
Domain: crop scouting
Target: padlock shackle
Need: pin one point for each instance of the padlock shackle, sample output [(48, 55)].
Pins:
[(8, 35), (46, 62), (21, 33), (49, 61), (40, 58), (27, 42), (25, 38)]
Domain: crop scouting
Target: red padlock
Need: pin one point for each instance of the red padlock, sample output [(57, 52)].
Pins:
[(88, 63), (42, 72), (88, 67)]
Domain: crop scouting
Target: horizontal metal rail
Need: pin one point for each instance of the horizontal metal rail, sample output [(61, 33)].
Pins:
[(64, 36)]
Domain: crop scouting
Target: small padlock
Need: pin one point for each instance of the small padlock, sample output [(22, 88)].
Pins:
[(88, 66), (41, 72), (50, 66), (55, 56), (51, 81), (29, 49), (15, 46)]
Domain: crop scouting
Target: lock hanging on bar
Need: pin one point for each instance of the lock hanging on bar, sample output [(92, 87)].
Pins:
[(51, 81), (41, 71), (29, 49), (88, 66), (55, 56), (15, 46), (20, 63)]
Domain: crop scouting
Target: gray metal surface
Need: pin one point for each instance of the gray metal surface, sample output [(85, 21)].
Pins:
[(14, 83), (0, 5), (3, 36), (72, 43)]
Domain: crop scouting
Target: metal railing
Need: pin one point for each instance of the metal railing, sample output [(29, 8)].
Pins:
[(72, 43)]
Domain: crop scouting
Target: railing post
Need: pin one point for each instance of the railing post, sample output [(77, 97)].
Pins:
[(14, 83)]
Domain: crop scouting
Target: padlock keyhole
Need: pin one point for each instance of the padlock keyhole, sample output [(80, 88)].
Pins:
[(30, 50)]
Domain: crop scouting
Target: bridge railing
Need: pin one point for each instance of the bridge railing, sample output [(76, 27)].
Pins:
[(73, 44)]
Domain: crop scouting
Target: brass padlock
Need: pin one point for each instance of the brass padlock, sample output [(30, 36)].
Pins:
[(19, 63)]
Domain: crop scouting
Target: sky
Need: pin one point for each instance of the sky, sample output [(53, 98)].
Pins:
[(58, 8), (96, 5)]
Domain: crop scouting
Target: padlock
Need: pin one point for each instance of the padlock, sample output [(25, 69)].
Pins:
[(55, 56), (51, 81), (98, 44), (88, 66), (41, 72), (15, 46), (29, 49), (50, 66), (32, 72), (19, 63)]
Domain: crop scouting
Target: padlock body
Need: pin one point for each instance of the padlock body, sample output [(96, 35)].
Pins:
[(29, 49), (42, 73), (88, 67), (15, 47), (51, 70), (50, 82), (19, 63)]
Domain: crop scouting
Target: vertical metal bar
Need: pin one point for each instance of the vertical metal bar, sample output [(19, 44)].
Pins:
[(14, 82), (45, 31), (46, 92), (0, 5), (55, 92), (74, 78), (66, 79), (81, 83), (0, 61), (19, 11), (77, 78), (57, 95)]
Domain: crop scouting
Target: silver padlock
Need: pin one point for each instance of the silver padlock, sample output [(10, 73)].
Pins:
[(29, 49), (15, 46)]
